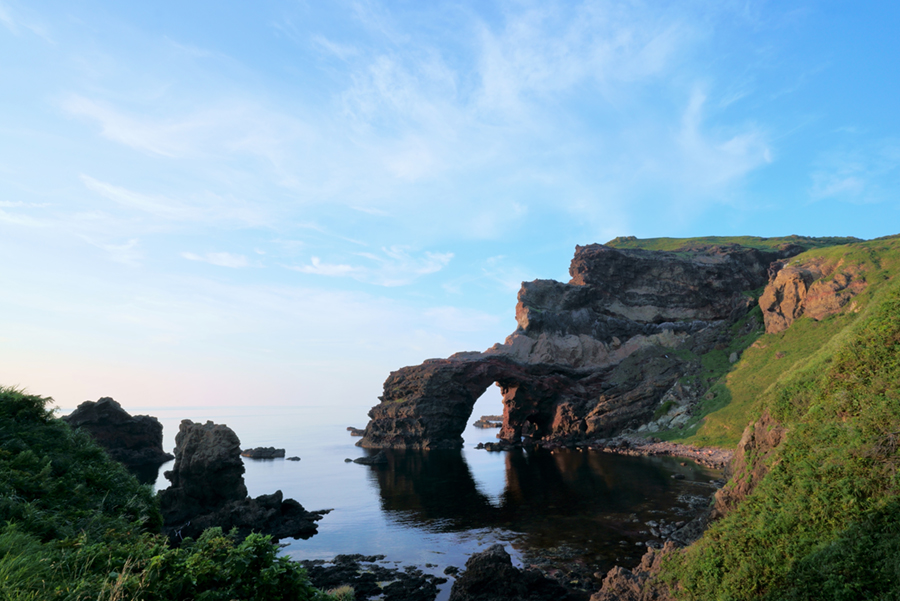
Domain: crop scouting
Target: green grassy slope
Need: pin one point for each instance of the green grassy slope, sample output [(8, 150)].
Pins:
[(824, 522), (769, 363), (75, 525)]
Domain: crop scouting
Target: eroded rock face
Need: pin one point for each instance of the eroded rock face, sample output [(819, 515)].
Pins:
[(490, 576), (815, 289), (135, 440), (208, 490), (589, 358), (640, 583), (750, 466)]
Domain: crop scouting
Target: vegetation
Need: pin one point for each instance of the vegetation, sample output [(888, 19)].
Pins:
[(682, 244), (825, 521), (76, 525)]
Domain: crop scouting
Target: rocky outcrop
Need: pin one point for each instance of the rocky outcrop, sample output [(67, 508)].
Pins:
[(814, 289), (751, 462), (263, 453), (135, 440), (640, 583), (490, 576), (589, 358), (207, 489)]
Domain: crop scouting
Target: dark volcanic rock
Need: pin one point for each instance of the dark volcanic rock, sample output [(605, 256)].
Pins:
[(589, 358), (135, 441), (263, 453), (208, 490), (490, 576), (371, 580)]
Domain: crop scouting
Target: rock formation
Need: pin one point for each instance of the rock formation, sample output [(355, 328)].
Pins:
[(589, 358), (208, 490), (490, 576), (750, 464), (263, 453), (640, 583), (135, 440), (815, 289)]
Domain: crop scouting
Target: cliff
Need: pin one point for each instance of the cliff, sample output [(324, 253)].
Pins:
[(591, 357)]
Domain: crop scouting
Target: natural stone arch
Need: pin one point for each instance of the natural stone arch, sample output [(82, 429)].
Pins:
[(428, 406)]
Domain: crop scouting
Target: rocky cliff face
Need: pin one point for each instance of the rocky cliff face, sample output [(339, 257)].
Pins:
[(135, 440), (590, 357), (815, 289), (208, 490)]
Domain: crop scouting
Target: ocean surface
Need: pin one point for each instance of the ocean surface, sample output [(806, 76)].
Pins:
[(433, 509)]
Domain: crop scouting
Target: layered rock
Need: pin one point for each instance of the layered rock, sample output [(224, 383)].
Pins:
[(588, 358), (135, 440), (207, 489)]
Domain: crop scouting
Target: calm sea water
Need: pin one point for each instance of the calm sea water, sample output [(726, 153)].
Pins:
[(435, 508)]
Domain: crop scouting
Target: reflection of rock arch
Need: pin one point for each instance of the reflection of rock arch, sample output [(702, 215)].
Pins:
[(427, 406)]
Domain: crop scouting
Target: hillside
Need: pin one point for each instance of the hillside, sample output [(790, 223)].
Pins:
[(75, 525)]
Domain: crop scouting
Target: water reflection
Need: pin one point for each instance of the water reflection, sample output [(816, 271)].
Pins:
[(590, 500)]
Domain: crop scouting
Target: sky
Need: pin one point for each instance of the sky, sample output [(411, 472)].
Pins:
[(280, 202)]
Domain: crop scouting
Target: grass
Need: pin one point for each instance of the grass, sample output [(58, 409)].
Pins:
[(775, 365), (825, 521), (681, 244)]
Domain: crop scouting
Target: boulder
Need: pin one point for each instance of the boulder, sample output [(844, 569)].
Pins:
[(135, 441), (490, 576), (207, 489)]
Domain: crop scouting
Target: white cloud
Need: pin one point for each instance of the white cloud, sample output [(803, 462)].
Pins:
[(395, 266), (221, 259), (866, 174), (155, 205)]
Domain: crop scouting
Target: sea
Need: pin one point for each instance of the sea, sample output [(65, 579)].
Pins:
[(433, 509)]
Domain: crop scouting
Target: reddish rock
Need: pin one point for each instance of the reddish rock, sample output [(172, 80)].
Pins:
[(813, 289), (640, 583), (750, 465)]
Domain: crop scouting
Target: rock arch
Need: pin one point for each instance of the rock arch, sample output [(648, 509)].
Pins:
[(427, 406)]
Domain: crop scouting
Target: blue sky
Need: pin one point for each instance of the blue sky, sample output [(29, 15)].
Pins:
[(279, 202)]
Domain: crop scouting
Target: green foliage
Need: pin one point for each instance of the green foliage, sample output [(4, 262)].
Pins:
[(75, 525), (833, 482), (57, 482), (682, 244)]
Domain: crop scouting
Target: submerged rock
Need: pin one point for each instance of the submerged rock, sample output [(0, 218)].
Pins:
[(208, 490), (135, 440), (378, 459)]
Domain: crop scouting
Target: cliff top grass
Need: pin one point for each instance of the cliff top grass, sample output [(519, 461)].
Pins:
[(682, 244)]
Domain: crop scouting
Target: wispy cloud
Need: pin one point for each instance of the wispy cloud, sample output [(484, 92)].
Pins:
[(221, 259), (866, 174), (395, 266), (128, 253)]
